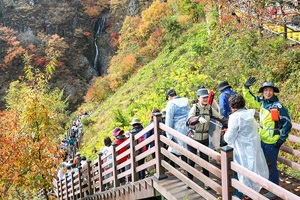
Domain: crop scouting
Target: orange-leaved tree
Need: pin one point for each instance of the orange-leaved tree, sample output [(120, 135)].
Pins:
[(10, 43), (30, 130), (93, 8)]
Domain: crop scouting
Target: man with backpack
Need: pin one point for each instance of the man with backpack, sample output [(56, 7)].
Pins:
[(199, 122)]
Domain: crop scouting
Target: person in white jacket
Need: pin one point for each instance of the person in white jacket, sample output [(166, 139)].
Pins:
[(177, 111), (242, 135)]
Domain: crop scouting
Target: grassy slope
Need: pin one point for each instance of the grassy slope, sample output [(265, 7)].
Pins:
[(138, 96), (195, 59)]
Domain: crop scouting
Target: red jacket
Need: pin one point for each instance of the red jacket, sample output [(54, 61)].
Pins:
[(119, 140)]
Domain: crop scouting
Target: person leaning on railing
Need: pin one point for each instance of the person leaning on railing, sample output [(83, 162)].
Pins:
[(275, 124)]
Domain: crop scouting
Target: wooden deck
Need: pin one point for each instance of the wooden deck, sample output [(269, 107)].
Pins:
[(172, 188), (89, 181)]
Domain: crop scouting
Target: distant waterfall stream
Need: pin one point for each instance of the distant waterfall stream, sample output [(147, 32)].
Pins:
[(98, 29)]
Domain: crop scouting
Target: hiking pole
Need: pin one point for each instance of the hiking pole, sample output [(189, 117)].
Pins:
[(215, 124)]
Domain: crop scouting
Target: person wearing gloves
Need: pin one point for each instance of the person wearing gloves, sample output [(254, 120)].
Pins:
[(177, 111), (275, 124), (242, 135), (199, 122)]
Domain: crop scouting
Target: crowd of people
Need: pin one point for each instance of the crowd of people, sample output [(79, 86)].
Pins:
[(72, 159), (256, 139)]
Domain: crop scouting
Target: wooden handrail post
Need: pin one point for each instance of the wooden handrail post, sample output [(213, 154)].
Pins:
[(226, 172), (72, 186), (58, 185), (285, 31), (89, 177), (80, 182), (66, 185), (100, 162), (114, 162), (160, 171), (133, 154), (76, 145), (61, 192)]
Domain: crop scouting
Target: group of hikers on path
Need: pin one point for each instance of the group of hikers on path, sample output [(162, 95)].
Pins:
[(72, 159), (255, 138), (256, 144)]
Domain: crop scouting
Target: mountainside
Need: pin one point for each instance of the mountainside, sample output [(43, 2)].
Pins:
[(115, 59), (183, 70), (193, 52), (160, 33), (69, 21)]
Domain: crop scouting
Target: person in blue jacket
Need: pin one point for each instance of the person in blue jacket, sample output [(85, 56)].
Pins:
[(226, 92)]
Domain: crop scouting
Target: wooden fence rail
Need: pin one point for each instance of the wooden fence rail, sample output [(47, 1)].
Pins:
[(93, 177)]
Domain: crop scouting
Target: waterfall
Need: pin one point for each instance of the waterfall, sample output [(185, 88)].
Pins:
[(98, 29)]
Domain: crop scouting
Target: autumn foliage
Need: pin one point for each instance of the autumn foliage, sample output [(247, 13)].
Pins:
[(30, 129), (114, 39), (99, 90), (14, 48), (93, 8)]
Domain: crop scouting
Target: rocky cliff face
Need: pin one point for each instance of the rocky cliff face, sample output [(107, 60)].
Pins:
[(66, 18)]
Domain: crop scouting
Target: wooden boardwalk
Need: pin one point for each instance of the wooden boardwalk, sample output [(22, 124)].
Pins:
[(89, 181), (172, 188)]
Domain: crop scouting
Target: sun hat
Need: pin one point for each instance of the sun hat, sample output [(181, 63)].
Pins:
[(268, 84), (223, 85), (202, 93), (117, 131), (135, 121)]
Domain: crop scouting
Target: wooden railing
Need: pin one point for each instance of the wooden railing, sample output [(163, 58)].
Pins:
[(92, 177)]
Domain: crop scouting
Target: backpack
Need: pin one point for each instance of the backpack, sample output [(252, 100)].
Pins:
[(71, 141)]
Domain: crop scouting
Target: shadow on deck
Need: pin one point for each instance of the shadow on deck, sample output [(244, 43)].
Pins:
[(173, 188)]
